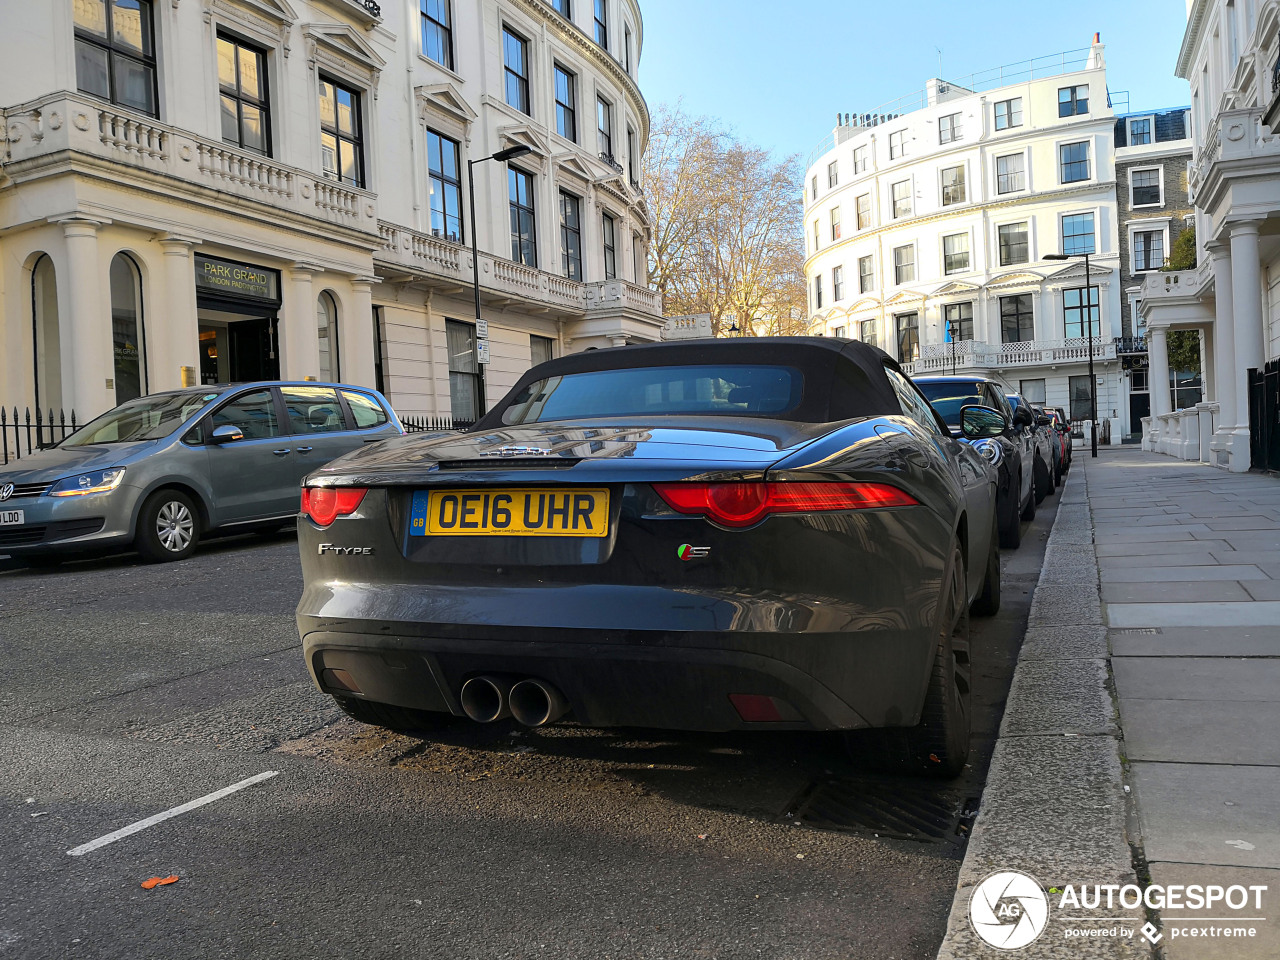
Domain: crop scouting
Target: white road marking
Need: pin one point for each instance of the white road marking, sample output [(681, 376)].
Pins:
[(168, 814)]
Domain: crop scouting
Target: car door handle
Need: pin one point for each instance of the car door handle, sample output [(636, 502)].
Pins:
[(304, 449), (282, 452)]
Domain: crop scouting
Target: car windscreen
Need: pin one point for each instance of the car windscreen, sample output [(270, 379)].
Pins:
[(948, 396), (734, 390), (147, 418)]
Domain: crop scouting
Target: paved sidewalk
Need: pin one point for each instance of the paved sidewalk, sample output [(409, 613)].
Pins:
[(1189, 566)]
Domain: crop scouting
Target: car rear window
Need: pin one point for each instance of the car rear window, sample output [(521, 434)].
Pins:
[(735, 390), (949, 396)]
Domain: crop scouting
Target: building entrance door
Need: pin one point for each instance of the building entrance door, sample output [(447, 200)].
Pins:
[(237, 305), (238, 349), (1139, 407)]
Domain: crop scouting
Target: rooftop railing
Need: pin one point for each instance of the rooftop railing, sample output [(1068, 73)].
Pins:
[(1037, 68)]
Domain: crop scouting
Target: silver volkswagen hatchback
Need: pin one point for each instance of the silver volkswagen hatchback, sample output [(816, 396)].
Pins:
[(159, 472)]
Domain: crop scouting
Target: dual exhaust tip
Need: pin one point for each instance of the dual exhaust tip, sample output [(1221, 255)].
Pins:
[(532, 702)]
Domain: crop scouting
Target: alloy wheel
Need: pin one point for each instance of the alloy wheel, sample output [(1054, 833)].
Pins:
[(174, 526)]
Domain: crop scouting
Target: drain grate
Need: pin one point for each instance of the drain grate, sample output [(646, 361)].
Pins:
[(888, 807), (1136, 631)]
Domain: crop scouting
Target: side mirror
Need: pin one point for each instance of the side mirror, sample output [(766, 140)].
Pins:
[(1021, 416), (978, 423), (227, 433), (1044, 421)]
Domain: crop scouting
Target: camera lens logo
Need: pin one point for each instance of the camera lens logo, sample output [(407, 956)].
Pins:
[(1009, 910)]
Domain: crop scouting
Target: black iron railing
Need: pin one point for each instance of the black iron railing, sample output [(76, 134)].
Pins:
[(437, 424), (608, 159), (374, 9), (1131, 345), (21, 436), (1275, 75)]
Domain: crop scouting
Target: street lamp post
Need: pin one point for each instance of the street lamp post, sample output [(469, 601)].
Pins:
[(951, 335), (1088, 312), (500, 156)]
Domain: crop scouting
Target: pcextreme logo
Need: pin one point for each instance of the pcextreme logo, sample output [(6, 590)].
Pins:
[(1009, 910)]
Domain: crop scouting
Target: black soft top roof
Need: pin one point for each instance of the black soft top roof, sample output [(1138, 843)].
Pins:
[(843, 379)]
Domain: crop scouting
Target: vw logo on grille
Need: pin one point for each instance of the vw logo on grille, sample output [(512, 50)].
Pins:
[(6, 491)]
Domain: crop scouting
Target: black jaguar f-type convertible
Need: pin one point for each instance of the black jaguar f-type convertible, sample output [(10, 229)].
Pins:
[(705, 535)]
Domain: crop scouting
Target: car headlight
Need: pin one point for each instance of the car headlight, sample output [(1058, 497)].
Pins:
[(991, 450), (94, 481)]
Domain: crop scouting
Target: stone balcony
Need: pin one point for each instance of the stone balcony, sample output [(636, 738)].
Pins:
[(1237, 141), (973, 356), (145, 152), (614, 308), (1178, 297)]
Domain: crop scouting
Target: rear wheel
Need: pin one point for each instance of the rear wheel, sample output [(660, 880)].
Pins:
[(1011, 526), (988, 602), (398, 719), (168, 527), (938, 745)]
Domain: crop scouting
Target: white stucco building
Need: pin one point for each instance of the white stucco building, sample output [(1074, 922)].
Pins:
[(935, 213), (1231, 55), (217, 190)]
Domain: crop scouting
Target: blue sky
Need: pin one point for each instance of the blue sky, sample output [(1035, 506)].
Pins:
[(777, 72)]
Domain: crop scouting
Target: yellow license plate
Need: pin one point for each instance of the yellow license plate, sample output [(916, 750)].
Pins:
[(537, 512)]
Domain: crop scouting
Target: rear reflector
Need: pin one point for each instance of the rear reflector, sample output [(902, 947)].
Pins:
[(743, 504), (755, 707), (325, 504)]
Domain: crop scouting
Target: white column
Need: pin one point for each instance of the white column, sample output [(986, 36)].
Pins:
[(1224, 338), (1158, 354), (1207, 373), (299, 333), (88, 350), (1246, 296), (356, 335), (173, 340)]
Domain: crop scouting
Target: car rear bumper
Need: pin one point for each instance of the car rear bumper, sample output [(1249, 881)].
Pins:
[(826, 666)]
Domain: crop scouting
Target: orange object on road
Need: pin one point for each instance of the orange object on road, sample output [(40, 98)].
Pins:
[(158, 882)]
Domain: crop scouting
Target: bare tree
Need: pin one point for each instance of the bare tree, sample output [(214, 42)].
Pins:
[(727, 227)]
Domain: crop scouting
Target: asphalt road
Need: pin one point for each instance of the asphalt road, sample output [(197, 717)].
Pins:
[(131, 689)]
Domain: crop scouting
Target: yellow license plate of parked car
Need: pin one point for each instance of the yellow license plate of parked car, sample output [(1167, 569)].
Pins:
[(516, 512)]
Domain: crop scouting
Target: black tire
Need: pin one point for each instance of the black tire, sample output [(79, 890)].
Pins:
[(1040, 480), (1011, 528), (168, 527), (1029, 513), (938, 745), (987, 603), (397, 719)]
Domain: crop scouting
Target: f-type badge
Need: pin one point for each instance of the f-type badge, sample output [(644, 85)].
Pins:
[(345, 551), (687, 552)]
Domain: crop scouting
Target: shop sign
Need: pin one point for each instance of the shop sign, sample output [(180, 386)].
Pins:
[(243, 280)]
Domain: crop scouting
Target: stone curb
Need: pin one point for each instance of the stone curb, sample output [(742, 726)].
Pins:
[(1054, 806)]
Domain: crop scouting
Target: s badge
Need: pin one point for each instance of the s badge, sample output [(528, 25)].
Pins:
[(687, 552)]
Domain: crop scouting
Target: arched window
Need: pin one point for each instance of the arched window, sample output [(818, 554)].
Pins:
[(47, 361), (126, 329), (327, 324)]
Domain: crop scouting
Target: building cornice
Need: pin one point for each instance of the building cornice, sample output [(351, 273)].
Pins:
[(1191, 38)]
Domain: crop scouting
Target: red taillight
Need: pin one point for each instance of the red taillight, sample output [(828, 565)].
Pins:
[(745, 504), (325, 504)]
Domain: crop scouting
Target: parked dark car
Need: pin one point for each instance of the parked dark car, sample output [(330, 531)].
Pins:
[(1043, 442), (1045, 419), (159, 472), (716, 535), (1012, 452), (1063, 426)]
